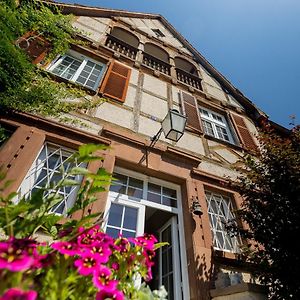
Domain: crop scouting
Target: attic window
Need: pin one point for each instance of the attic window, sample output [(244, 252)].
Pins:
[(157, 32)]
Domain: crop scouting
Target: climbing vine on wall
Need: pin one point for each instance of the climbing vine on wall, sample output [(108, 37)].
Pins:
[(24, 86)]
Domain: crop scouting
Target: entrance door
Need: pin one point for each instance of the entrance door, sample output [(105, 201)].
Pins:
[(169, 263)]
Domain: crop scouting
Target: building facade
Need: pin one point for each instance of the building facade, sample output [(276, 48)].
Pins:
[(143, 68)]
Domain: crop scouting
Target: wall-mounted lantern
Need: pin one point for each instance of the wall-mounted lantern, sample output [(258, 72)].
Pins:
[(172, 126), (196, 207)]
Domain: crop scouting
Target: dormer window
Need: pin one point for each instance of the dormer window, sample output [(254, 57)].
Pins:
[(78, 68), (158, 32), (215, 125)]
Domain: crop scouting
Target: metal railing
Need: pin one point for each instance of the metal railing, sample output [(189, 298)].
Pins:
[(189, 79), (120, 46), (156, 63)]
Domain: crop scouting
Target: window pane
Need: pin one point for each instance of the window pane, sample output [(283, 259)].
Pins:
[(154, 188), (136, 183), (130, 218), (89, 75), (169, 202), (120, 179), (112, 232), (154, 198), (67, 67), (169, 192), (128, 234), (135, 193), (115, 215), (118, 189), (208, 128)]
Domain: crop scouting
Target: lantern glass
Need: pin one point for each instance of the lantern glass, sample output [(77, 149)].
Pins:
[(173, 125)]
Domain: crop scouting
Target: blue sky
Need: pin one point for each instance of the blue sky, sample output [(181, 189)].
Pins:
[(255, 44)]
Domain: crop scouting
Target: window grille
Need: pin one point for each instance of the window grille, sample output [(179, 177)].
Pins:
[(48, 169), (220, 212)]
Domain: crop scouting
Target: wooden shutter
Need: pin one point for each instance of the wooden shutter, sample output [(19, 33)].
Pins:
[(191, 110), (115, 83), (35, 46), (244, 134)]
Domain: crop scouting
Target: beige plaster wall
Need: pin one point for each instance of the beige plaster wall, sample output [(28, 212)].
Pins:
[(93, 28), (115, 114), (153, 106), (217, 169), (155, 86)]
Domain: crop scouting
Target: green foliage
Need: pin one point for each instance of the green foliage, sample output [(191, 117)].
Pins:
[(23, 86), (271, 189)]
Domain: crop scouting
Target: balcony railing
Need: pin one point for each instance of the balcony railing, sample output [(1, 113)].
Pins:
[(189, 79), (156, 63), (121, 46)]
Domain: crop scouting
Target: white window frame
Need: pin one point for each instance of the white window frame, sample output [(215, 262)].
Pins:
[(29, 180), (219, 226), (84, 59), (222, 122), (128, 200)]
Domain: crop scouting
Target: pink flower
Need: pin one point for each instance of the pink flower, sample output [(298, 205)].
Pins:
[(68, 248), (17, 254), (18, 294), (101, 251), (108, 294), (115, 266), (146, 241), (101, 279), (87, 264), (122, 245)]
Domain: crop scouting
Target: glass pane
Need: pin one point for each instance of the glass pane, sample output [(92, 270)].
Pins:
[(166, 235), (171, 287), (128, 234), (135, 193), (118, 189), (120, 179), (169, 202), (130, 218), (136, 183), (169, 192), (154, 198), (154, 188), (115, 215), (113, 232)]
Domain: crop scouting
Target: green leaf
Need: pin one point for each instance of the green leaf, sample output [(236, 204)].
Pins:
[(159, 245), (79, 171), (68, 182), (88, 149)]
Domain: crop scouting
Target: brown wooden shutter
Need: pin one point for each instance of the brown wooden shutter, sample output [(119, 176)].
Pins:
[(36, 47), (115, 83), (244, 134), (191, 110)]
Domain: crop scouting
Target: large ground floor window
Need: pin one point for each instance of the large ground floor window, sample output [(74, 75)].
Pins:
[(138, 204)]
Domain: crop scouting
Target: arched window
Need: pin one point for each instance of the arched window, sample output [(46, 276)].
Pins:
[(156, 58), (187, 73), (123, 42)]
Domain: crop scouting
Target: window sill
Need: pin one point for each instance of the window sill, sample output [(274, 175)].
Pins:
[(237, 147)]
